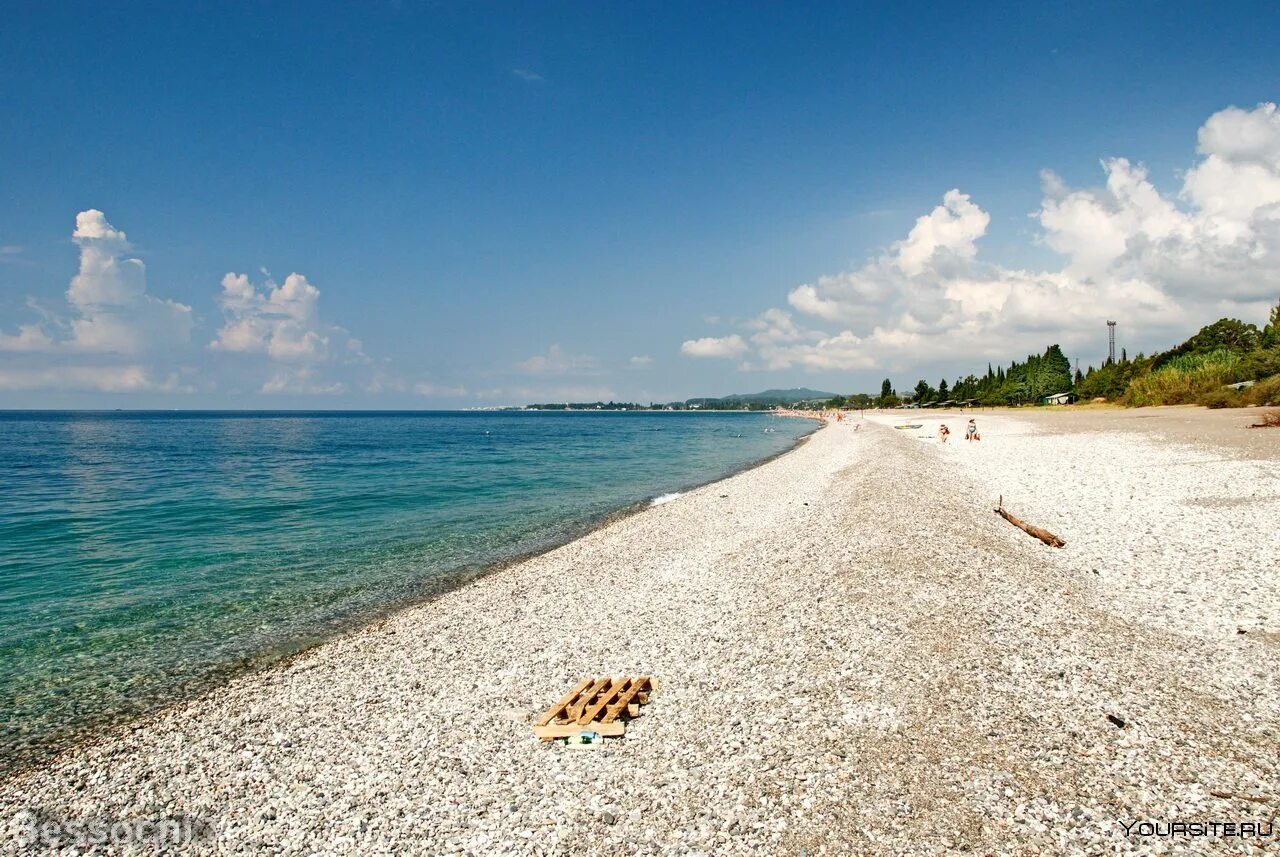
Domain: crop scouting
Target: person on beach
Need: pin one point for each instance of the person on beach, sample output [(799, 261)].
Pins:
[(971, 433), (944, 433)]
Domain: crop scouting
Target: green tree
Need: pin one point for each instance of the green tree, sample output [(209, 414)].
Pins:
[(1230, 333), (942, 390), (924, 393), (1271, 333), (1055, 372)]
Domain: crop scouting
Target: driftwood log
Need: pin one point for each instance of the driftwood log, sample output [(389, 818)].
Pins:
[(1271, 419), (1043, 535)]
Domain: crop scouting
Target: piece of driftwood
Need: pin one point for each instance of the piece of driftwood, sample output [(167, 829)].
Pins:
[(1229, 795), (1042, 534), (1271, 419)]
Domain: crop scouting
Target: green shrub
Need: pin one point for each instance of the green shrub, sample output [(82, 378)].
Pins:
[(1223, 397), (1265, 392)]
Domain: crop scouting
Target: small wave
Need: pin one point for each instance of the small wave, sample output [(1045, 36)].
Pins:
[(663, 498)]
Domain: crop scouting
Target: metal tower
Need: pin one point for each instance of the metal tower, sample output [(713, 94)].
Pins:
[(1111, 342)]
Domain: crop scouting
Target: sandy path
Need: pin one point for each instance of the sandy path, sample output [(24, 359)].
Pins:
[(856, 657)]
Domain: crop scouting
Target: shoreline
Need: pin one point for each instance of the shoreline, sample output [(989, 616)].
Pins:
[(94, 732), (853, 653)]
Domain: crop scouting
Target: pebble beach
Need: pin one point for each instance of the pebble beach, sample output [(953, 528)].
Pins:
[(854, 656)]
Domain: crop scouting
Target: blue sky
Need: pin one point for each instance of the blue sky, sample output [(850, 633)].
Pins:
[(501, 203)]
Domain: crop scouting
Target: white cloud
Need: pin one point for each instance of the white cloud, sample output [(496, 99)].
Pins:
[(1241, 170), (104, 379), (1129, 253), (952, 227), (108, 315), (715, 346), (529, 76), (114, 313), (281, 322), (557, 361), (780, 343), (844, 350), (110, 310), (640, 361), (30, 337)]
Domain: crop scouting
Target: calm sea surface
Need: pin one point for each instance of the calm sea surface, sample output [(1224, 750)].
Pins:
[(145, 555)]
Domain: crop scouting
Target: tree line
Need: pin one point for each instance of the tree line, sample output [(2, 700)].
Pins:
[(1229, 362), (1030, 380)]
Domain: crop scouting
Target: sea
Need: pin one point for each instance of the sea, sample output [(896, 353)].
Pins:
[(146, 556)]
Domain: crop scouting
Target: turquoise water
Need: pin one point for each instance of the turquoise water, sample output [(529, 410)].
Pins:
[(145, 555)]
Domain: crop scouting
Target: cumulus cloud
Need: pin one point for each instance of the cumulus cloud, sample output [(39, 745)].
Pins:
[(557, 361), (109, 315), (781, 343), (281, 322), (110, 311), (1162, 264), (715, 346), (951, 228), (113, 312), (640, 361)]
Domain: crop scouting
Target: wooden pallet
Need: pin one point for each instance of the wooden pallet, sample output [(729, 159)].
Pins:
[(595, 705)]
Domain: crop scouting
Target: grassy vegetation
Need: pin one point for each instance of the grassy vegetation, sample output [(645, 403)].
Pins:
[(1184, 379)]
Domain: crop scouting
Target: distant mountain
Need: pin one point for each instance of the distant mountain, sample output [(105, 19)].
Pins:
[(769, 397)]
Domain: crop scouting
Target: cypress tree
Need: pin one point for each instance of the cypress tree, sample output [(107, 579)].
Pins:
[(1055, 371)]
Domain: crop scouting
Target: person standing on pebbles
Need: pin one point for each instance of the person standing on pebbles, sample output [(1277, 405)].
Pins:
[(971, 433), (944, 433)]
